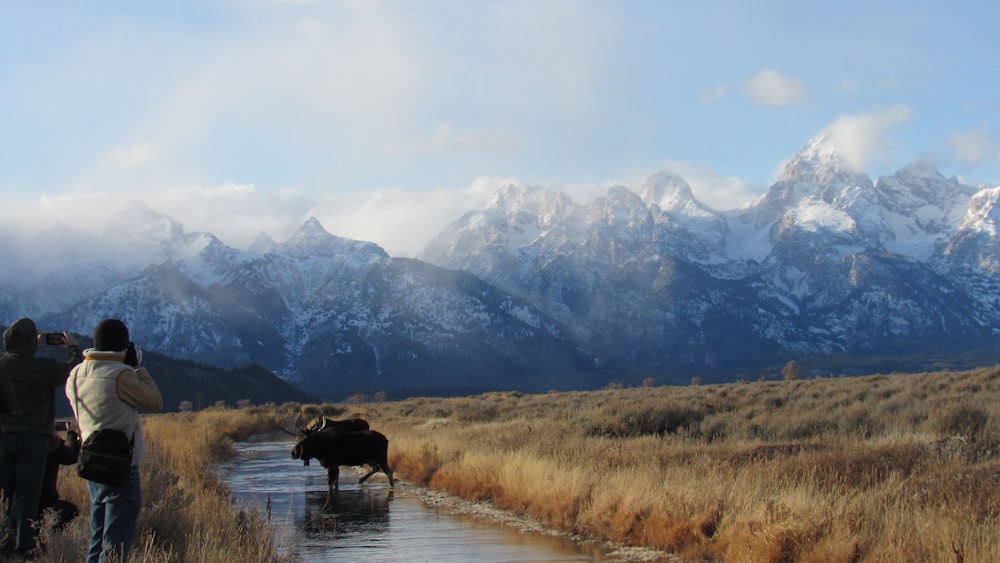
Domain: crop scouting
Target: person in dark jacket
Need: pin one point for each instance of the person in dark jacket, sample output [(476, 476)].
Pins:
[(62, 452), (26, 431), (8, 401)]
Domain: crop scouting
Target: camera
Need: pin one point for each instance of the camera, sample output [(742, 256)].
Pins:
[(53, 339), (133, 356)]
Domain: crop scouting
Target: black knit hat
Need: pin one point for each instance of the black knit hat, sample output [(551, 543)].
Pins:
[(111, 335)]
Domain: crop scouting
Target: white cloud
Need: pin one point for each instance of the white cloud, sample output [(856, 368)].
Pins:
[(715, 94), (134, 156), (772, 88), (321, 97), (347, 79), (444, 139), (862, 139), (975, 147), (400, 221), (713, 189)]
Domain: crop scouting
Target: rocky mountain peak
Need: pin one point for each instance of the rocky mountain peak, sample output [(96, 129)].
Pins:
[(138, 223), (820, 164), (984, 212), (927, 184), (535, 204), (263, 244), (976, 244), (818, 174), (622, 208), (673, 195), (311, 239)]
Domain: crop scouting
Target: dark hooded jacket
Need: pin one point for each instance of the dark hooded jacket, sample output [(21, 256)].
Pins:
[(33, 379), (8, 401)]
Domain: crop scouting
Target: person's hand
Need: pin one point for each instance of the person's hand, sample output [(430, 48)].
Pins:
[(68, 340), (73, 439), (133, 356)]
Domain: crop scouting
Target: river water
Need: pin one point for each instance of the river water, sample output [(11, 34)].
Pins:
[(371, 523)]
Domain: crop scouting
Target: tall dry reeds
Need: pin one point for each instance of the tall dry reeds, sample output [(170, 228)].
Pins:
[(884, 468), (187, 514), (901, 467)]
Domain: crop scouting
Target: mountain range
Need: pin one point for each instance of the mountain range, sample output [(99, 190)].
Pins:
[(533, 291)]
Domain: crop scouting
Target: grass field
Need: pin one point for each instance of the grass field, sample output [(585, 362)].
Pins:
[(900, 467)]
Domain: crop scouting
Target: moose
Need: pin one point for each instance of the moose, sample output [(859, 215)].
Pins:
[(336, 442)]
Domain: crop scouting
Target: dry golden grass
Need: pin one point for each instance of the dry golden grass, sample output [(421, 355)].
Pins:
[(901, 467), (187, 514), (884, 468)]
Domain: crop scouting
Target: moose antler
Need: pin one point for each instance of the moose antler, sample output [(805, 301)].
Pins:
[(315, 426), (300, 432)]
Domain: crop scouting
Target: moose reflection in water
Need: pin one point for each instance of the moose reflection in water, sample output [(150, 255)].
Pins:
[(361, 511), (341, 442)]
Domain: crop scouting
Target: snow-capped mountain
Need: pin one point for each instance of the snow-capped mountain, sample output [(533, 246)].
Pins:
[(533, 291), (333, 315), (827, 262), (976, 246)]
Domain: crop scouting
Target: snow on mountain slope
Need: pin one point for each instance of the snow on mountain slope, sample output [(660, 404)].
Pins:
[(331, 314), (975, 243), (922, 209), (826, 253), (532, 290), (691, 229), (509, 233)]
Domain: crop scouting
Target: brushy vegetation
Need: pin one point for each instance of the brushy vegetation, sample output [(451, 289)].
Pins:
[(187, 514), (901, 467)]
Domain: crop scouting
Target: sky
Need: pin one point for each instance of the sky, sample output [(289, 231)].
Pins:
[(387, 120)]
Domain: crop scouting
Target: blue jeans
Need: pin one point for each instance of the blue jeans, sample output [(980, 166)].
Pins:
[(21, 472), (114, 512)]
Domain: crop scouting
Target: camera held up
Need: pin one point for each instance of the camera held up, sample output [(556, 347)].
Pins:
[(133, 356)]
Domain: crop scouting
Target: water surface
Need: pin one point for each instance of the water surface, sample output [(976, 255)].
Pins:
[(372, 523)]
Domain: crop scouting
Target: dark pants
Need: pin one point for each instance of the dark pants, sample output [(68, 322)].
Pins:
[(21, 471), (114, 512)]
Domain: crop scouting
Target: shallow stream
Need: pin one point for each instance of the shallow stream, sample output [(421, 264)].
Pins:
[(371, 523)]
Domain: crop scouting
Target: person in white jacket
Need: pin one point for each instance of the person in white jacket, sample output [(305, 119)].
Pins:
[(106, 391)]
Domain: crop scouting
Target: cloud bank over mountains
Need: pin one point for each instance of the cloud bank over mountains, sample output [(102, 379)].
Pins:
[(387, 118), (403, 220)]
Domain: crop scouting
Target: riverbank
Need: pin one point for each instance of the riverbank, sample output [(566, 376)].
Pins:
[(486, 511), (410, 523), (840, 469), (187, 514), (837, 469)]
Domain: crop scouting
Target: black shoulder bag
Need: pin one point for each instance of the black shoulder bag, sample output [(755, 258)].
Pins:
[(106, 455)]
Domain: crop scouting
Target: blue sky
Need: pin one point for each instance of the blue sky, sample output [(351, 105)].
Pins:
[(387, 119)]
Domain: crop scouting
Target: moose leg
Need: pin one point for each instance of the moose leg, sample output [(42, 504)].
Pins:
[(374, 467), (383, 464), (333, 478)]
